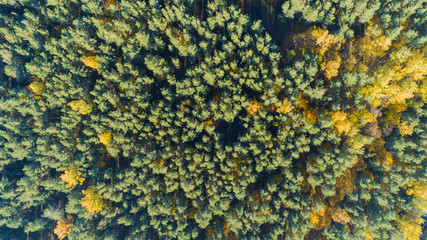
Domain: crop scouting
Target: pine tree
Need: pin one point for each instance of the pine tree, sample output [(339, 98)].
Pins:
[(181, 120)]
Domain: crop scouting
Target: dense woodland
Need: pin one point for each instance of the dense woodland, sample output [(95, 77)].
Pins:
[(211, 119)]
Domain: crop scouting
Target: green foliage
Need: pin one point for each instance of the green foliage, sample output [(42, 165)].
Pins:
[(181, 120), (345, 17)]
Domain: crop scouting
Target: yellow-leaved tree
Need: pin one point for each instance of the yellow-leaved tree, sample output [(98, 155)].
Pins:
[(405, 129), (341, 216), (64, 227), (324, 40), (341, 122), (419, 191), (321, 218), (253, 107), (310, 113), (348, 124), (37, 87), (105, 138), (410, 224), (93, 201), (284, 106), (72, 177), (92, 62), (330, 67), (398, 81), (80, 106), (324, 45), (372, 45), (327, 50)]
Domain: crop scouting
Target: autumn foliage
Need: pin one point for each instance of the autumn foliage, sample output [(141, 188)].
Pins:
[(105, 138), (80, 106), (72, 177), (93, 200), (184, 119), (64, 227), (91, 61)]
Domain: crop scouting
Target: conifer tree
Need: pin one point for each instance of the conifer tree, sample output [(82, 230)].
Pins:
[(181, 120)]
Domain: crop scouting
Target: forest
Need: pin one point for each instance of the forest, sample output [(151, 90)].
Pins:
[(213, 119)]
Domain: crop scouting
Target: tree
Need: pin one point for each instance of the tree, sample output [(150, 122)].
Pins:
[(64, 227), (92, 201), (181, 120), (346, 17), (80, 106), (72, 177)]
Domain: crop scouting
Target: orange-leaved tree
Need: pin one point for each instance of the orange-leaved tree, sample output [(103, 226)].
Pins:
[(64, 227)]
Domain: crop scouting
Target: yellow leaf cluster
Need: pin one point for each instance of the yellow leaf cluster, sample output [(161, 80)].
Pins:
[(405, 129), (372, 46), (209, 232), (284, 106), (397, 107), (394, 93), (253, 107), (105, 138), (311, 115), (209, 125), (80, 106), (416, 67), (315, 41), (397, 82), (410, 226), (92, 62), (340, 122), (339, 116), (341, 216), (368, 235), (326, 47), (348, 123), (324, 40), (343, 127), (107, 3), (186, 103), (226, 228), (330, 68), (367, 50), (321, 219), (181, 39), (379, 45), (64, 227), (366, 115), (37, 87), (388, 160), (302, 102), (419, 190), (392, 118), (92, 201), (209, 122), (72, 177), (357, 141), (423, 91)]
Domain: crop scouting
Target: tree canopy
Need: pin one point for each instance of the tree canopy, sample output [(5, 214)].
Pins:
[(182, 119)]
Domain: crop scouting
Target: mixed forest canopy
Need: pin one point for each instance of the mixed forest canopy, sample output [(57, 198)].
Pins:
[(212, 119)]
